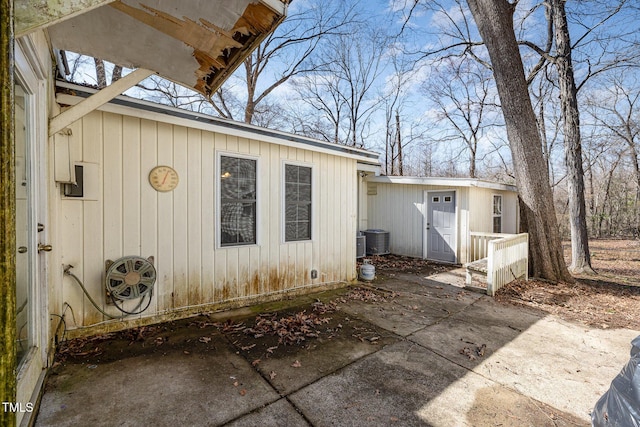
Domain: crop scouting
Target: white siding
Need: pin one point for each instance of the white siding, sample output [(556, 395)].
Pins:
[(400, 208), (178, 228), (481, 218)]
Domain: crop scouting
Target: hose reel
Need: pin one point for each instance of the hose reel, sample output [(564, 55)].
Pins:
[(128, 278)]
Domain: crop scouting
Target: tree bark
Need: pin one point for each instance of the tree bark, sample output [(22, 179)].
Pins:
[(101, 75), (7, 216), (399, 142), (580, 256), (117, 73), (494, 19)]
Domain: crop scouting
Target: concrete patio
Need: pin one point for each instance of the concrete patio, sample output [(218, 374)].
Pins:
[(430, 353)]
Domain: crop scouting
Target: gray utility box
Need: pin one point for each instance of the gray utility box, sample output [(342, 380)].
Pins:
[(361, 246), (377, 242)]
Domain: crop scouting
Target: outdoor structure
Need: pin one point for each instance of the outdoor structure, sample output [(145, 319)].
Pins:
[(442, 219), (222, 213)]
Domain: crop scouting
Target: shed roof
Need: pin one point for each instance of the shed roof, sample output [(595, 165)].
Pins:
[(72, 94), (443, 181)]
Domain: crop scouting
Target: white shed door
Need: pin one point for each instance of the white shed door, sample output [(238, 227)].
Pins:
[(441, 226)]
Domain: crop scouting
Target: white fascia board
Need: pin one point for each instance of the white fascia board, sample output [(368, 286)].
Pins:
[(241, 130), (277, 6), (443, 181), (368, 167)]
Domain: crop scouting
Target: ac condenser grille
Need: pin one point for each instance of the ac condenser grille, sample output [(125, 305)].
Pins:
[(377, 242), (361, 242)]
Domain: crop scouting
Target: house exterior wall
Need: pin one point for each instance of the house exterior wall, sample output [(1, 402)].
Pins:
[(123, 215)]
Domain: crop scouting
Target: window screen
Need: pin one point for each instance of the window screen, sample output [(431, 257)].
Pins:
[(297, 203), (237, 201)]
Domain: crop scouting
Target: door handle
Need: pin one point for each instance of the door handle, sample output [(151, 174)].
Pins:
[(44, 248)]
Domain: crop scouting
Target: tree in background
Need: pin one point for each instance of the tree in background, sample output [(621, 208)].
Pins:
[(285, 54), (461, 91), (494, 19), (341, 85)]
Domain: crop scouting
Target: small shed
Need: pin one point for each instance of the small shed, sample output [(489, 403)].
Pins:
[(438, 218)]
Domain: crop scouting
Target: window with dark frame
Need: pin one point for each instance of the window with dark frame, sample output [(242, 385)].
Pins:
[(497, 214), (297, 219), (237, 201)]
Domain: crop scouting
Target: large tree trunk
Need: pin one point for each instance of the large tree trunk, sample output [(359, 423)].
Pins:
[(7, 217), (580, 257), (495, 24)]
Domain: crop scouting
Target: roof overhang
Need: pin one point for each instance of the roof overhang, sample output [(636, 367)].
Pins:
[(73, 95), (197, 43), (443, 182)]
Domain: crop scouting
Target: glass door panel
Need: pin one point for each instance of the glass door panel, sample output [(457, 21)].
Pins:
[(24, 245)]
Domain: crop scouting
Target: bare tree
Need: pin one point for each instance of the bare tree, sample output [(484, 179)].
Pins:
[(291, 47), (618, 111), (461, 92), (342, 85), (494, 19), (580, 256)]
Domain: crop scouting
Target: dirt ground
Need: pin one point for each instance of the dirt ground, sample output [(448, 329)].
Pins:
[(609, 299)]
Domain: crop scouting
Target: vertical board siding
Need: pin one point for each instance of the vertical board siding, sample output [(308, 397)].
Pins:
[(148, 197), (178, 228)]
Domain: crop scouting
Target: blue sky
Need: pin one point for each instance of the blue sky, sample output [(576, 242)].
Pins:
[(441, 25)]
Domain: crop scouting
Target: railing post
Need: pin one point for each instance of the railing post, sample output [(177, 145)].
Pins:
[(490, 267)]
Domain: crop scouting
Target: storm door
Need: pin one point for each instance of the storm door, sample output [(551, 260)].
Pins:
[(440, 226)]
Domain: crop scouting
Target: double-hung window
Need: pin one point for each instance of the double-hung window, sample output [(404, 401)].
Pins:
[(297, 218), (497, 214), (237, 201)]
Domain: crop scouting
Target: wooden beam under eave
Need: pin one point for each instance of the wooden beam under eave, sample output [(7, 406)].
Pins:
[(32, 15), (72, 114)]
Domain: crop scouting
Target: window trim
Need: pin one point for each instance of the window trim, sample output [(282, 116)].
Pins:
[(283, 197), (494, 215), (218, 199)]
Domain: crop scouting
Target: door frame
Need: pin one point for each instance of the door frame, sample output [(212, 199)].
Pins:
[(31, 74), (425, 218)]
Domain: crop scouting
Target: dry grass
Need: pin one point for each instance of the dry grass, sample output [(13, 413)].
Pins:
[(609, 299)]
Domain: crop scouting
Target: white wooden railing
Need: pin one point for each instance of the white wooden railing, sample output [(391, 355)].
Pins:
[(479, 244), (507, 259)]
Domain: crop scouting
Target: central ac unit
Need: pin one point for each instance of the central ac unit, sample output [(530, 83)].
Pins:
[(377, 242)]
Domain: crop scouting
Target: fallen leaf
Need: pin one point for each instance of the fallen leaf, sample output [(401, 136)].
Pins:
[(204, 339), (236, 383), (186, 352), (297, 364), (272, 374), (256, 362), (482, 349), (249, 347), (243, 392)]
